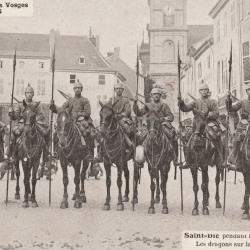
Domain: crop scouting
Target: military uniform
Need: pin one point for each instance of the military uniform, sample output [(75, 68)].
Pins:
[(166, 116)]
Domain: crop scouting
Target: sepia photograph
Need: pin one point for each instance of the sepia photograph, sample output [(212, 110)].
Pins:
[(124, 124)]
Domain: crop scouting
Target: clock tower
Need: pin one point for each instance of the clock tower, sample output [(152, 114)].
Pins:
[(167, 28)]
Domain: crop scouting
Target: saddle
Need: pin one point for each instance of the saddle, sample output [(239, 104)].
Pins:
[(213, 131), (168, 129)]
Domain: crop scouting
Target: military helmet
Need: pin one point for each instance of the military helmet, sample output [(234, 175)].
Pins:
[(29, 89), (156, 91), (203, 86), (119, 85), (78, 84)]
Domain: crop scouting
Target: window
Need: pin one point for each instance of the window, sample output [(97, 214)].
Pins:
[(225, 24), (218, 31), (20, 87), (208, 62), (168, 51), (81, 60), (168, 20), (1, 86), (41, 87), (21, 64), (218, 77), (41, 65), (72, 78), (101, 79), (246, 62), (199, 70), (1, 64), (233, 15)]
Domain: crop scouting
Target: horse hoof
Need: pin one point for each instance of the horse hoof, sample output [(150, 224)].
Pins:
[(245, 216), (157, 199), (17, 196), (125, 198), (135, 200), (106, 207), (77, 204), (195, 211), (29, 198), (120, 207), (83, 199), (164, 210), (34, 204), (151, 210), (25, 204), (205, 211), (218, 204), (64, 205), (74, 197)]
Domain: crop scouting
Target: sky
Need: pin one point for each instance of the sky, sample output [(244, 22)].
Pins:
[(119, 23)]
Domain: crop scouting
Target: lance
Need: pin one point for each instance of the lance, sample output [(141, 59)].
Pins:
[(11, 104), (136, 121), (227, 134), (51, 118), (66, 96), (180, 128)]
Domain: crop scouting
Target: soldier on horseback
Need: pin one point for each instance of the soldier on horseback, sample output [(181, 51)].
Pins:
[(208, 109), (81, 111), (166, 115), (16, 115), (122, 109), (242, 126)]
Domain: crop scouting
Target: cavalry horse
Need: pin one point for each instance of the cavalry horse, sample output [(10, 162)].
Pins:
[(29, 150), (158, 154), (114, 150), (70, 150)]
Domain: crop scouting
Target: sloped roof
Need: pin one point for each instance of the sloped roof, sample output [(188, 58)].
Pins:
[(68, 50), (197, 33), (119, 65)]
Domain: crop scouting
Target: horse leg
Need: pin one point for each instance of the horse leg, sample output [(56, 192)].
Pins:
[(164, 179), (120, 205), (107, 167), (217, 182), (26, 180), (77, 168), (126, 175), (83, 176), (17, 194), (158, 191), (194, 172), (243, 204), (204, 188), (64, 203), (246, 214), (151, 209), (33, 181), (136, 180)]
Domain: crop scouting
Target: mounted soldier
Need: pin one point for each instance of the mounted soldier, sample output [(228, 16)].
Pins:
[(16, 114), (242, 127), (81, 111), (122, 109), (165, 114), (208, 109)]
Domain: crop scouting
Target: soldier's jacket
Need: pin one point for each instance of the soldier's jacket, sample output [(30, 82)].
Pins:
[(162, 109), (121, 106), (79, 106), (205, 105), (243, 106)]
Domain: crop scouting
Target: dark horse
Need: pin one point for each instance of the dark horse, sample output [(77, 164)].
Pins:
[(158, 154), (71, 151), (29, 150), (114, 151)]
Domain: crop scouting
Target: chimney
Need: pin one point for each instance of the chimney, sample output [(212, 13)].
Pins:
[(95, 40), (117, 51)]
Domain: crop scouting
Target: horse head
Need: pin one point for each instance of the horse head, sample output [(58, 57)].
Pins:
[(107, 117), (153, 123), (29, 116), (64, 123)]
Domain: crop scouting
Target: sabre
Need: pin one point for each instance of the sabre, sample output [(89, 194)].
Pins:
[(11, 104), (227, 134), (51, 118), (180, 128)]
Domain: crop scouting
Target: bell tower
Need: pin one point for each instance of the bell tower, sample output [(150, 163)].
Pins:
[(167, 28)]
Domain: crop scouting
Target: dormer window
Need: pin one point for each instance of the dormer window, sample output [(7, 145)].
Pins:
[(81, 60), (41, 65), (1, 64)]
